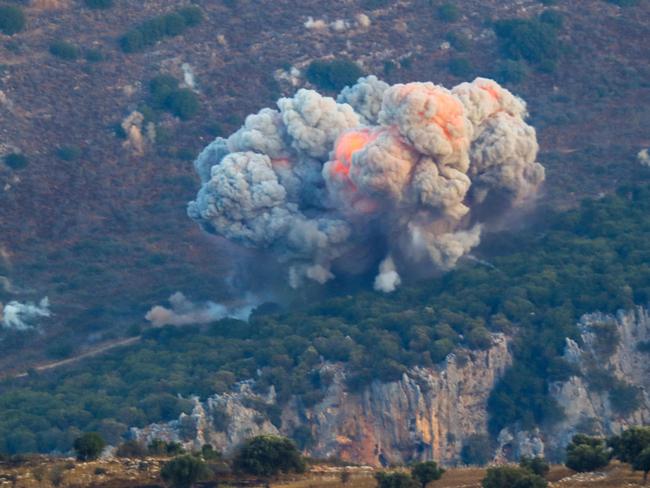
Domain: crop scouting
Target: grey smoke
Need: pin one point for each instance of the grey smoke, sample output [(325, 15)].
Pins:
[(408, 173), (184, 312), (23, 316)]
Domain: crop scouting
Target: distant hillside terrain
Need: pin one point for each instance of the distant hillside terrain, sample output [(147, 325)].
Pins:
[(99, 226)]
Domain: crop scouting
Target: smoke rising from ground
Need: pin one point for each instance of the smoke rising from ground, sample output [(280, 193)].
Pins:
[(185, 312), (21, 316), (413, 172)]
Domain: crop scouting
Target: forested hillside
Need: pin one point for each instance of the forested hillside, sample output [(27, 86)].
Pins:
[(533, 286)]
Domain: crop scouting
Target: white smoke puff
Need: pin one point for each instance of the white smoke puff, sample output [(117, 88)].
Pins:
[(314, 121), (263, 133), (318, 24), (444, 249), (441, 188), (383, 167), (184, 312), (188, 76), (483, 98), (339, 25), (432, 119), (388, 279), (20, 316), (209, 157), (132, 126), (644, 157), (242, 198), (365, 97), (503, 157), (363, 21)]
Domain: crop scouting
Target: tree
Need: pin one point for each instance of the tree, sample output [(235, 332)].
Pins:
[(334, 74), (99, 4), (476, 450), (642, 463), (395, 480), (12, 20), (536, 465), (268, 455), (627, 446), (512, 477), (426, 472), (16, 161), (585, 453), (183, 471), (89, 446)]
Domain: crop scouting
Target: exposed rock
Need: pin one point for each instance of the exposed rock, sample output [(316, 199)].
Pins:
[(587, 409), (425, 415)]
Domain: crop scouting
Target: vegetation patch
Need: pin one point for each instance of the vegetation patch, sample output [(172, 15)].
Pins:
[(333, 75), (12, 19), (157, 28)]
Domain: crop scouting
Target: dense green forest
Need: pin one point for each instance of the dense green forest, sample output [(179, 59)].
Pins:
[(535, 286)]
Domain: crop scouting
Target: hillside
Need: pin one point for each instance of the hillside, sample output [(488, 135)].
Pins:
[(102, 231)]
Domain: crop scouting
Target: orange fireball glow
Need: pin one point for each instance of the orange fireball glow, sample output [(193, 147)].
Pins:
[(491, 89), (281, 163), (347, 144), (448, 112)]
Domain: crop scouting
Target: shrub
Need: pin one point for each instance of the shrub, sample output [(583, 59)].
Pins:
[(460, 42), (536, 465), (16, 161), (642, 463), (131, 449), (155, 29), (448, 12), (460, 67), (426, 472), (64, 50), (69, 153), (99, 4), (553, 18), (89, 446), (627, 446), (532, 40), (395, 480), (333, 75), (512, 477), (585, 453), (183, 103), (511, 71), (93, 56), (12, 19), (268, 455), (477, 450), (183, 471), (625, 398), (624, 3)]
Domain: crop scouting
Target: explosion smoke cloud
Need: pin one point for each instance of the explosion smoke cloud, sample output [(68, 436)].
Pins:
[(409, 172), (20, 316), (185, 312)]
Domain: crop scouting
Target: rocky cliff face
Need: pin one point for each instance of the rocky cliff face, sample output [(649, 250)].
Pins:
[(425, 415), (430, 411), (609, 392)]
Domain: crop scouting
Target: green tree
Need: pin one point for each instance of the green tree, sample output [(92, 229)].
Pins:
[(448, 12), (627, 446), (395, 480), (89, 446), (334, 74), (585, 453), (16, 161), (426, 472), (477, 450), (642, 463), (512, 477), (183, 471), (64, 50), (536, 465), (268, 455), (12, 19)]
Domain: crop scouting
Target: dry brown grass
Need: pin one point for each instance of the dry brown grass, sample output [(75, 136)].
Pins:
[(130, 473)]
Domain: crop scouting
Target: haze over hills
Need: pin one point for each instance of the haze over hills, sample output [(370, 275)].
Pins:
[(94, 218)]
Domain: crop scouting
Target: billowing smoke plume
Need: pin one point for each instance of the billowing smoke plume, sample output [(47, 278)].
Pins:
[(185, 312), (21, 316), (410, 173)]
